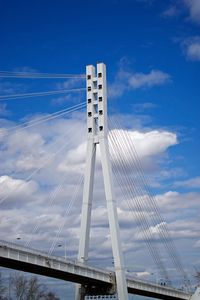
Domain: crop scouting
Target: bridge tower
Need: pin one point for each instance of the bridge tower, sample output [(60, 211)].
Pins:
[(97, 135)]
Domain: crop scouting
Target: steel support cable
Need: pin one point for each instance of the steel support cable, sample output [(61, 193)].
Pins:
[(164, 234), (141, 219), (70, 205), (39, 94), (35, 75), (150, 203), (138, 188), (93, 152), (51, 199), (41, 120), (166, 238), (151, 247), (38, 169), (155, 221), (138, 171), (130, 190), (118, 148), (73, 200), (28, 178)]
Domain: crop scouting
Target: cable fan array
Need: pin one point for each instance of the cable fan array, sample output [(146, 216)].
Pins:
[(124, 156), (53, 194), (40, 94), (30, 75), (5, 132), (44, 119)]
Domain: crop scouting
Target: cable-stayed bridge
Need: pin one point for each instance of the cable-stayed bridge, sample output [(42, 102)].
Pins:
[(91, 281)]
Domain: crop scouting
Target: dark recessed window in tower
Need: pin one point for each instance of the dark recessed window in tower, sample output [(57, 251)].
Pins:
[(95, 84)]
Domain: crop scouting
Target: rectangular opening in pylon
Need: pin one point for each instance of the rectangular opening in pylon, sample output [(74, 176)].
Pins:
[(95, 108), (95, 84)]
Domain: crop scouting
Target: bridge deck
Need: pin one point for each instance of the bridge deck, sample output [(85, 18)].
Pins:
[(25, 259)]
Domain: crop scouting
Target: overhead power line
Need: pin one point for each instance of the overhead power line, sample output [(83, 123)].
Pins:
[(40, 94)]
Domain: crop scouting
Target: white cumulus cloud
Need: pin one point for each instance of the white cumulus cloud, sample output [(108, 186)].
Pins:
[(191, 48), (189, 183), (149, 143), (193, 51), (190, 7), (126, 80), (155, 77), (194, 9), (16, 191), (170, 12)]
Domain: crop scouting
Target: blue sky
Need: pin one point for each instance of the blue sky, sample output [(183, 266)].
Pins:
[(152, 53)]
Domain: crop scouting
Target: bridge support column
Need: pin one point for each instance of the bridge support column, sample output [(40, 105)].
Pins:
[(97, 134), (80, 292), (196, 295)]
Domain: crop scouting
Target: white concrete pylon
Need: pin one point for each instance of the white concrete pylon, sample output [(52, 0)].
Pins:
[(97, 135)]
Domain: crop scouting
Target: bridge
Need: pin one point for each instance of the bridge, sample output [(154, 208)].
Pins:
[(95, 280), (89, 280)]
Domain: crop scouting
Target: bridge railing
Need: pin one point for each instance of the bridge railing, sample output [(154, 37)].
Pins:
[(28, 255)]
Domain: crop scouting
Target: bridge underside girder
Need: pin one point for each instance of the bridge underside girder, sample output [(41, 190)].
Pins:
[(92, 287)]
